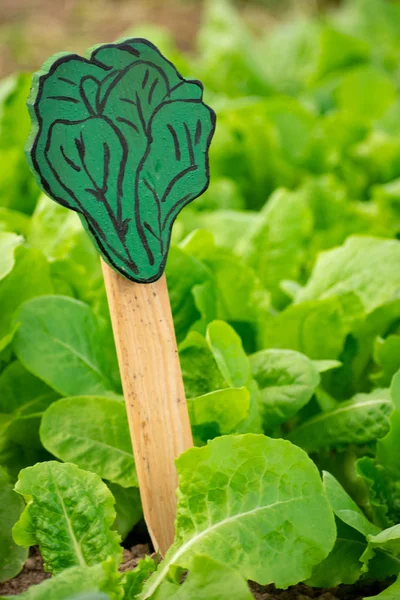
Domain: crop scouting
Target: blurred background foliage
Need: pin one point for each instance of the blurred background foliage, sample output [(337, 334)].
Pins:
[(31, 30)]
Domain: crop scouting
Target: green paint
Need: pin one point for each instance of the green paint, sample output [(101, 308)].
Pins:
[(122, 139)]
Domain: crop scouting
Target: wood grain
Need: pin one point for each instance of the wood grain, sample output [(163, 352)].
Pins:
[(154, 394)]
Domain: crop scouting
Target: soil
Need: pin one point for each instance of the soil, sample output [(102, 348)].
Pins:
[(33, 573)]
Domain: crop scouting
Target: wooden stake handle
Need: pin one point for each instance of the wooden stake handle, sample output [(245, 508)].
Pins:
[(154, 394)]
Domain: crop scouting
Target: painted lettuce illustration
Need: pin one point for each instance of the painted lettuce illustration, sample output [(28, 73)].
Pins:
[(122, 139)]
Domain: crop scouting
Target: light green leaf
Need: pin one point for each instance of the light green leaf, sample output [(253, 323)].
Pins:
[(59, 341), (69, 514), (366, 266), (358, 421), (246, 496), (317, 328), (366, 91), (93, 433), (207, 580), (228, 352), (80, 583), (218, 413), (287, 380), (275, 246), (339, 50), (345, 508), (8, 243), (12, 557), (128, 508)]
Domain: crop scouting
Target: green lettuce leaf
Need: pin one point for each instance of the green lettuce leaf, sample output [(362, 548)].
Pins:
[(357, 421), (59, 341), (365, 266), (287, 381), (91, 432), (275, 246), (218, 413), (69, 514), (242, 497)]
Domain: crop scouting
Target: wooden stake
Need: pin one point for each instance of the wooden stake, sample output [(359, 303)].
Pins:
[(154, 394)]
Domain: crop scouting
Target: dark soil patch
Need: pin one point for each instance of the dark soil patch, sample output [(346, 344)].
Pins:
[(33, 573)]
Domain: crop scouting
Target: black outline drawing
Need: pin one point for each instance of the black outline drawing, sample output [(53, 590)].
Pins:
[(120, 225)]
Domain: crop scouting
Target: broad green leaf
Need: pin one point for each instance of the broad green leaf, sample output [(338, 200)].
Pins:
[(207, 580), (29, 278), (126, 189), (366, 91), (365, 266), (23, 399), (246, 496), (93, 433), (345, 508), (338, 50), (275, 246), (343, 564), (59, 341), (127, 506), (8, 243), (357, 421), (69, 514), (98, 582), (218, 413), (12, 557), (317, 328), (228, 352), (287, 381)]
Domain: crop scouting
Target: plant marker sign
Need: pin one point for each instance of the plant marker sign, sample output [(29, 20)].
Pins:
[(122, 139)]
